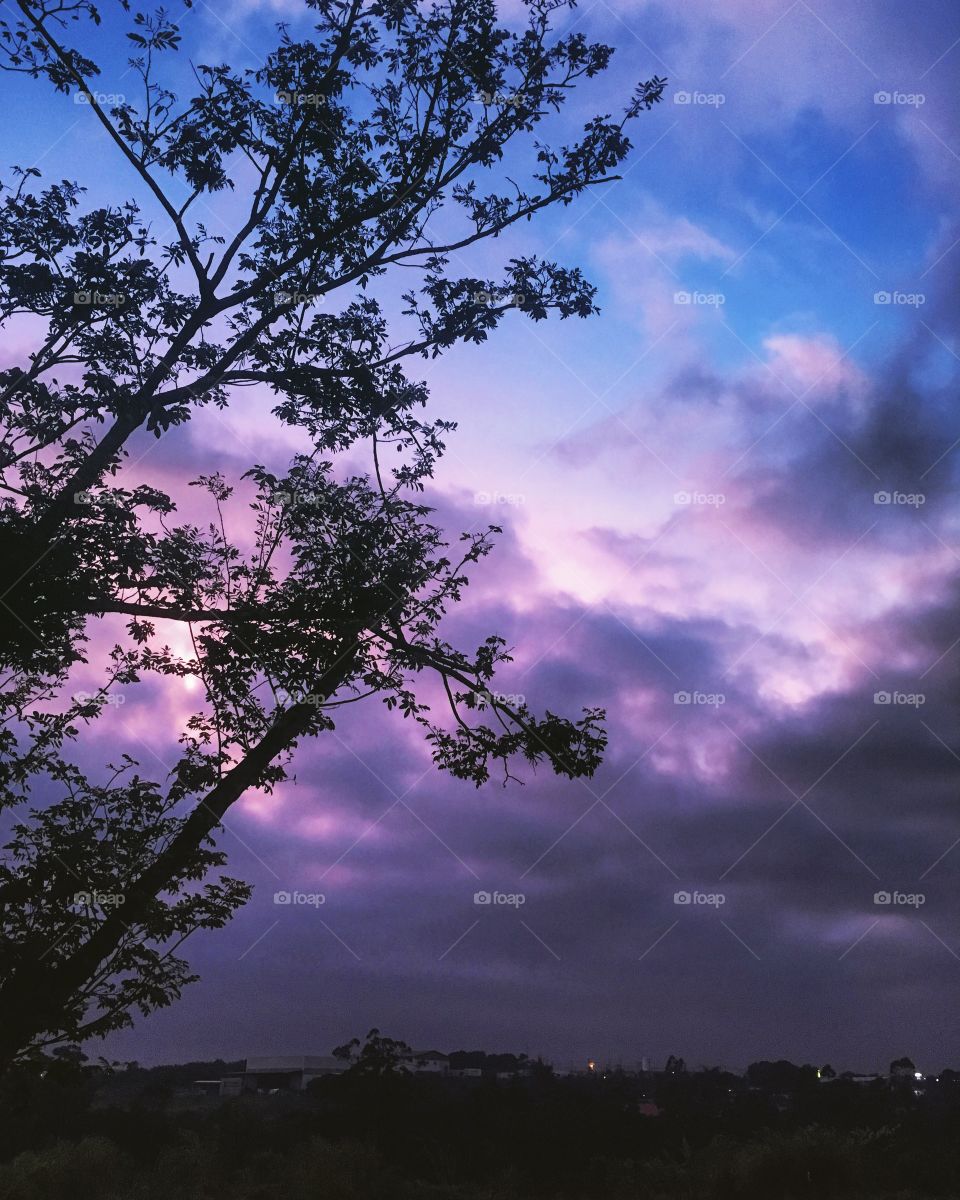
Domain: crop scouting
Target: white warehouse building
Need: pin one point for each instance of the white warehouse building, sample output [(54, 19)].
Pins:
[(294, 1072)]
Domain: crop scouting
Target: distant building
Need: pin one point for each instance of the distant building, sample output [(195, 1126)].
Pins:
[(206, 1087), (427, 1062), (287, 1073)]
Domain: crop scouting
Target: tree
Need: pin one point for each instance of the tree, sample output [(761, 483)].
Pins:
[(780, 1076), (355, 148), (376, 1056)]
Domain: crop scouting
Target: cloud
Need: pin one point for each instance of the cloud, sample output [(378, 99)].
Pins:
[(689, 499)]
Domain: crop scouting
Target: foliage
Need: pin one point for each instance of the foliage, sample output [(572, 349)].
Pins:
[(376, 1055), (361, 162), (556, 1138)]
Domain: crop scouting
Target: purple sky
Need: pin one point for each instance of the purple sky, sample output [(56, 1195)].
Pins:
[(689, 484)]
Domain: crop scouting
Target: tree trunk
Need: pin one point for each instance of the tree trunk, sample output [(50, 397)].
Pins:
[(31, 1000)]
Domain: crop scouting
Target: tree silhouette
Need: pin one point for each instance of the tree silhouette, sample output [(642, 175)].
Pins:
[(375, 1056), (345, 154)]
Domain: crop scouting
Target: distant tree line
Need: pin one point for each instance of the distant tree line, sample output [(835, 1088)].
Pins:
[(78, 1129)]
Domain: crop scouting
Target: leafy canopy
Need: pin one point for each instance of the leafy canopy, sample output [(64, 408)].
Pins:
[(358, 166)]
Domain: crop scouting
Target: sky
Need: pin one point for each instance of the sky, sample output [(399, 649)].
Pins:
[(729, 518)]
